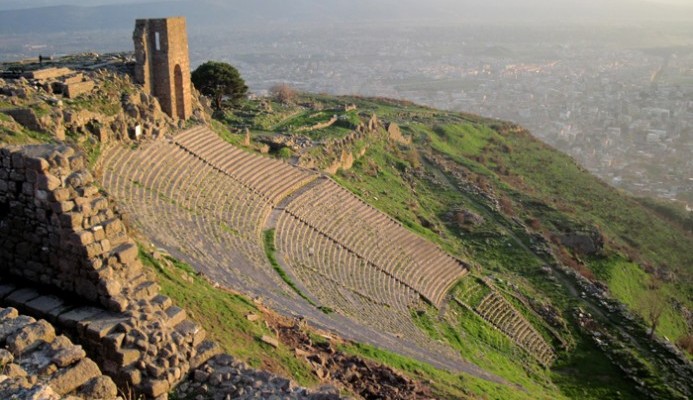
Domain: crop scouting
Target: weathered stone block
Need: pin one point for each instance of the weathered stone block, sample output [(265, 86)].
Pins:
[(105, 245), (17, 160), (79, 178), (6, 289), (126, 252), (71, 318), (88, 191), (12, 325), (175, 315), (17, 175), (270, 341), (68, 356), (82, 238), (36, 164), (30, 336), (99, 204), (100, 387), (43, 305), (204, 352), (162, 301), (114, 341), (63, 206), (99, 233), (20, 297), (67, 380), (27, 189), (99, 326), (73, 90), (113, 227), (111, 287), (156, 388), (132, 375), (92, 250), (86, 288), (48, 182)]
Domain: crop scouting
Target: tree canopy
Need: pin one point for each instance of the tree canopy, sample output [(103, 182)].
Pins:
[(218, 79)]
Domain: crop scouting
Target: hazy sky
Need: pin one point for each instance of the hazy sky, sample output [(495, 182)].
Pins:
[(9, 4), (301, 11)]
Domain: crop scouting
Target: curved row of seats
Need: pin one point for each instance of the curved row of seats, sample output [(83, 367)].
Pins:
[(195, 210), (345, 282), (271, 178), (335, 212), (497, 311), (380, 240)]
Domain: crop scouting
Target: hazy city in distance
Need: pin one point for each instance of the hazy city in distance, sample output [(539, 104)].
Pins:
[(611, 84)]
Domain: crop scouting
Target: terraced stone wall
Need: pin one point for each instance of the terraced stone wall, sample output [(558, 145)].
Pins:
[(57, 230)]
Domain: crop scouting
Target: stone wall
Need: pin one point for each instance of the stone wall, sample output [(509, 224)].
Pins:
[(66, 257), (56, 228)]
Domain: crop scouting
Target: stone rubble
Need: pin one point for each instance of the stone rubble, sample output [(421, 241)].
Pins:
[(37, 364)]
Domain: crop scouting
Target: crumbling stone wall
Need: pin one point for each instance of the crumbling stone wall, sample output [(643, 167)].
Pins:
[(38, 363), (73, 263), (163, 64), (56, 228)]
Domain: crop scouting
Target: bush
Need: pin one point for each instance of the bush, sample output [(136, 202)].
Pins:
[(285, 152), (283, 93)]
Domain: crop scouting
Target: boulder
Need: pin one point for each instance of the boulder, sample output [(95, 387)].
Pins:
[(30, 337)]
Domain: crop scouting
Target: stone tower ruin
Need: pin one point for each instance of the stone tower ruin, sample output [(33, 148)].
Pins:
[(162, 63)]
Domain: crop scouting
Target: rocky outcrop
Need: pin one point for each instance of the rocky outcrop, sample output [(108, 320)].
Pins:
[(367, 379), (109, 107), (395, 134), (223, 378), (585, 242)]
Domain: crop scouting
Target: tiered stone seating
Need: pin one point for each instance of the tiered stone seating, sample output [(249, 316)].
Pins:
[(197, 212), (271, 178), (380, 241), (497, 311), (207, 202), (345, 282)]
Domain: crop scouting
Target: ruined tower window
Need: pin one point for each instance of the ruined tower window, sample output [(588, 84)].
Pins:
[(4, 210), (157, 40)]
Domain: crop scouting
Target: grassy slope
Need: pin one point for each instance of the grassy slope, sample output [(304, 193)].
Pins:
[(536, 182)]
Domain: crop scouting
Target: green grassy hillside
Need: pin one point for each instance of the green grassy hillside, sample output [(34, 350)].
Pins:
[(494, 196)]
